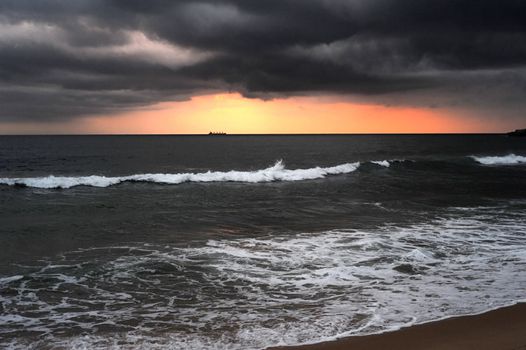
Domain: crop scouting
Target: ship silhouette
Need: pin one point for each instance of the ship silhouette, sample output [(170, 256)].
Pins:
[(216, 133)]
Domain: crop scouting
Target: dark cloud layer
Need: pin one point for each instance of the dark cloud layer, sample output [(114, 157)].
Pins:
[(62, 59)]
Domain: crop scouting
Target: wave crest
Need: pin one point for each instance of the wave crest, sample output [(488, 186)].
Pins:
[(383, 163), (277, 172), (510, 159)]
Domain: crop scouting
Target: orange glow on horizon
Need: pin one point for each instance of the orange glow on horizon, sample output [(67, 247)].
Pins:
[(234, 114)]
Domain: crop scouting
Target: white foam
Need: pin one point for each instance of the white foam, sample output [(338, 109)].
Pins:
[(510, 159), (383, 163), (252, 293), (420, 255), (277, 172), (7, 280)]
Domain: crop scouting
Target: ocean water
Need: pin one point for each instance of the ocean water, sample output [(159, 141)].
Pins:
[(245, 242)]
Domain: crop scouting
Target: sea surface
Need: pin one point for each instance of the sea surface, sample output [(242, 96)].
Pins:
[(245, 242)]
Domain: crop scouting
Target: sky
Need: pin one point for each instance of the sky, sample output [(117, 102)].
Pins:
[(253, 66)]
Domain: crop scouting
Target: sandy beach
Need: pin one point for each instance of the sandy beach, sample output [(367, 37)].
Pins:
[(501, 329)]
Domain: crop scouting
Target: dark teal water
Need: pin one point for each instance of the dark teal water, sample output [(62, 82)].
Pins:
[(133, 242)]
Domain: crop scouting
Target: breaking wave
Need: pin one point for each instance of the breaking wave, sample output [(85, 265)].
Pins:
[(383, 163), (510, 159), (252, 293), (277, 172)]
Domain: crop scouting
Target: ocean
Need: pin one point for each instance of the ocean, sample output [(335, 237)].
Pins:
[(245, 242)]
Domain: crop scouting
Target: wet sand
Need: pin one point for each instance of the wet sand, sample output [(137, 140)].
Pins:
[(502, 329)]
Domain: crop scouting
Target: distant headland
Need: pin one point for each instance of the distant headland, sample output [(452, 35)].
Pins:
[(518, 132)]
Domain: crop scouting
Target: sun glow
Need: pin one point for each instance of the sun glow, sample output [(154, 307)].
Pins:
[(234, 114)]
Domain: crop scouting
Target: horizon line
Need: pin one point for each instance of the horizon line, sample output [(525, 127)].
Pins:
[(270, 134)]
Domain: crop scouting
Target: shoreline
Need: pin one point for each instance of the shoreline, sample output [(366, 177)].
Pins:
[(498, 329)]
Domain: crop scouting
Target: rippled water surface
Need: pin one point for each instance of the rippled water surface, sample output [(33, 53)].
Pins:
[(246, 242)]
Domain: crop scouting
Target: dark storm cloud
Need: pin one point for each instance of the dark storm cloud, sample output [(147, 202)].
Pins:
[(61, 59)]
